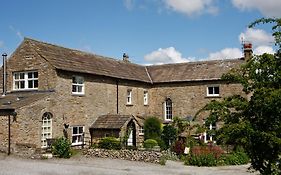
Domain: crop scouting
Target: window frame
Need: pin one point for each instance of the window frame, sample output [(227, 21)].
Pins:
[(145, 97), (46, 124), (214, 94), (78, 134), (129, 97), (168, 114), (77, 85), (25, 80)]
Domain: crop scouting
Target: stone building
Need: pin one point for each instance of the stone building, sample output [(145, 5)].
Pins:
[(57, 91)]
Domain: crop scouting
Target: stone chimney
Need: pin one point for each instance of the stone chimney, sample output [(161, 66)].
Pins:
[(126, 58), (248, 51)]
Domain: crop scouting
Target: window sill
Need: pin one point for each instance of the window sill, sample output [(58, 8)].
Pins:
[(146, 105), (24, 90), (129, 105), (213, 96), (77, 144), (79, 95)]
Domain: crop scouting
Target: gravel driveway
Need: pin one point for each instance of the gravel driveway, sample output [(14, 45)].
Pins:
[(87, 166)]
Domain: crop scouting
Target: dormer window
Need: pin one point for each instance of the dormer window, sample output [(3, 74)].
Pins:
[(25, 80), (77, 85)]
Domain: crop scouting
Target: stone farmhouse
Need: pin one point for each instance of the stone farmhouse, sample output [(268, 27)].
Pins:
[(56, 91)]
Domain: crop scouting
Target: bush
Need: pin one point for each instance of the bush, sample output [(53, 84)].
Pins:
[(179, 147), (150, 143), (110, 143), (210, 149), (235, 158), (61, 147), (201, 160), (152, 128), (169, 135)]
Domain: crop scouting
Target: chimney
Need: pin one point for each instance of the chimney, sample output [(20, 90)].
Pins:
[(248, 51), (4, 55), (126, 58)]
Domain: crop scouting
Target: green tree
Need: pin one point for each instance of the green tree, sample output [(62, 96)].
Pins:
[(169, 135), (152, 128), (254, 121)]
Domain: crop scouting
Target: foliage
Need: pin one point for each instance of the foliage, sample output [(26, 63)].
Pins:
[(169, 135), (110, 143), (201, 160), (254, 123), (152, 128), (214, 156), (179, 147), (235, 158), (150, 143), (61, 147), (180, 124)]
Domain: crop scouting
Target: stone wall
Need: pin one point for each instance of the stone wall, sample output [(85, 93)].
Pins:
[(133, 155), (187, 97), (27, 59)]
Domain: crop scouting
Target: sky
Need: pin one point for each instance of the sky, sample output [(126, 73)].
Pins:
[(149, 31)]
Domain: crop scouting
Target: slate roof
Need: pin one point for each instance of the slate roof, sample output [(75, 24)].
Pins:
[(20, 99), (78, 61), (111, 121), (192, 71)]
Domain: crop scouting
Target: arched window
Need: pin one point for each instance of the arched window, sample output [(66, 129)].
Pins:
[(168, 110), (46, 128)]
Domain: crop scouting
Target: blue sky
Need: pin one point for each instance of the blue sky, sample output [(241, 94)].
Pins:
[(149, 31)]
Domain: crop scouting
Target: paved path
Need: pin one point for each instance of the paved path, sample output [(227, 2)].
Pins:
[(97, 166)]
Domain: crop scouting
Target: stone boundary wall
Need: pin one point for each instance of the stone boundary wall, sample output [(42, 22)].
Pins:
[(133, 155)]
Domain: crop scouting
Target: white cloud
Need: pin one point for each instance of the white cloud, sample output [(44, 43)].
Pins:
[(256, 37), (17, 32), (192, 7), (269, 8), (129, 4), (227, 53), (167, 55), (263, 49)]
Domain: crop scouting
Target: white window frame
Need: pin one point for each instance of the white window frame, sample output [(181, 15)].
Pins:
[(75, 85), (141, 131), (78, 134), (168, 110), (25, 80), (129, 96), (213, 89), (46, 127), (145, 97)]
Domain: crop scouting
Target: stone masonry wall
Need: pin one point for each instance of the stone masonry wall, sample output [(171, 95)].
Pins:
[(187, 98)]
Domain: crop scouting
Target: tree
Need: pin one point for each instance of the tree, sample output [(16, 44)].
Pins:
[(169, 135), (152, 128), (254, 121)]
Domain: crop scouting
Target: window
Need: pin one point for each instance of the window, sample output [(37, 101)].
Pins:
[(141, 131), (213, 91), (25, 80), (46, 129), (129, 97), (168, 110), (77, 85), (77, 135), (145, 97)]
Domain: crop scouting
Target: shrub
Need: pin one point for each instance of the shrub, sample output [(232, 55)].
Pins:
[(179, 147), (61, 147), (235, 158), (201, 160), (210, 149), (169, 135), (152, 128), (110, 143), (150, 143)]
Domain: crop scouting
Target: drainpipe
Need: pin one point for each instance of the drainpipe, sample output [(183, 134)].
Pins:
[(4, 55), (117, 96)]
